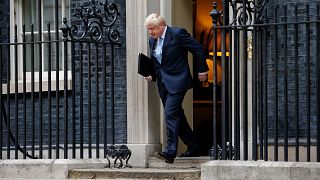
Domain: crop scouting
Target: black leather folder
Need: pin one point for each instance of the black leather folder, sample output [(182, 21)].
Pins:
[(146, 66)]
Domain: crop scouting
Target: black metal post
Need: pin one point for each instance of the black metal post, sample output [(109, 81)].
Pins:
[(215, 14), (265, 119), (97, 100), (56, 20), (65, 31), (254, 89), (104, 98), (8, 96), (1, 100), (89, 103), (112, 93), (260, 92), (224, 94), (296, 66), (40, 77), (308, 81), (74, 80), (230, 95), (244, 81), (81, 99), (275, 58), (317, 86), (236, 53), (49, 94), (32, 91), (16, 92), (24, 93), (286, 126)]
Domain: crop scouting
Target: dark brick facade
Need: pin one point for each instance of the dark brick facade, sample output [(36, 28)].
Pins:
[(4, 13), (4, 25), (120, 94), (303, 45)]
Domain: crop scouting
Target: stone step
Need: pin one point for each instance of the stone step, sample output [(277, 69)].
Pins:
[(136, 173), (180, 163)]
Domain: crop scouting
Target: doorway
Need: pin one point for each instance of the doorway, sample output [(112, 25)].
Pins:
[(203, 91), (193, 15)]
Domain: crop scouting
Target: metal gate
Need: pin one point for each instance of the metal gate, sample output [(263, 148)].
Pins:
[(66, 72), (270, 80)]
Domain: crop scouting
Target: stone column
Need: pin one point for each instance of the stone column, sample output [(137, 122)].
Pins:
[(143, 103)]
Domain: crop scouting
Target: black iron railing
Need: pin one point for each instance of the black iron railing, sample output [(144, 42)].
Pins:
[(281, 45), (58, 87)]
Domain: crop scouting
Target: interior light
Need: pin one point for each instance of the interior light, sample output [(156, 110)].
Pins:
[(218, 53)]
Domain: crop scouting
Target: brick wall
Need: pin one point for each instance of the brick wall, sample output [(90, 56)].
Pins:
[(4, 13), (4, 24), (301, 67)]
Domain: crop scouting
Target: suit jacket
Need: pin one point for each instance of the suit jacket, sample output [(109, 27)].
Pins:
[(174, 69)]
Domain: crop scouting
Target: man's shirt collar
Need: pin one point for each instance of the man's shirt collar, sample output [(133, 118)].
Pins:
[(164, 32)]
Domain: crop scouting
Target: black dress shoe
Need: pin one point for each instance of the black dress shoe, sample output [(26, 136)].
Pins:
[(189, 154), (164, 156)]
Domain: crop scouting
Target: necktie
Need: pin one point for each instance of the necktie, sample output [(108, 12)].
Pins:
[(158, 50)]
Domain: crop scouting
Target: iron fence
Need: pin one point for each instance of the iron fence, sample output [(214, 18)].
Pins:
[(270, 80), (58, 94)]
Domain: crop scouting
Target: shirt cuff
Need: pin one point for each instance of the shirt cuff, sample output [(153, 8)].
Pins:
[(202, 73)]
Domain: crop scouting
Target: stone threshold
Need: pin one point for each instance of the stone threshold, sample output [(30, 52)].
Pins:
[(136, 173)]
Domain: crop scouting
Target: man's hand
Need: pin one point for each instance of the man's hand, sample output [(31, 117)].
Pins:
[(148, 78), (202, 76)]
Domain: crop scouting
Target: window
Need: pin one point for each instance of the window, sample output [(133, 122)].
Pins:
[(26, 12)]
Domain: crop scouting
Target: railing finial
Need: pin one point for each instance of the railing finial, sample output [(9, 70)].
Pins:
[(65, 29), (215, 14)]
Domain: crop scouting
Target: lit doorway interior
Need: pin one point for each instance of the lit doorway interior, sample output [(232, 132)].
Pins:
[(193, 15), (203, 91)]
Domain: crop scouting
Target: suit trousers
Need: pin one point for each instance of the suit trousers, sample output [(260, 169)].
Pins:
[(176, 121)]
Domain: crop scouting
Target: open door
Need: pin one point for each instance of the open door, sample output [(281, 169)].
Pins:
[(203, 91)]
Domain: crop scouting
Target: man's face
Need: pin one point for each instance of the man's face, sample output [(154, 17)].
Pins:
[(155, 30)]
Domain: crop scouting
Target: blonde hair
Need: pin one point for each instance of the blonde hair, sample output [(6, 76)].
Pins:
[(155, 19)]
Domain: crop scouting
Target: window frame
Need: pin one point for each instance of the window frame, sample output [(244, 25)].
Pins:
[(16, 12)]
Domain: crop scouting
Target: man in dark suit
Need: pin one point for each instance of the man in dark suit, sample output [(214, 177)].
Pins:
[(169, 48)]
